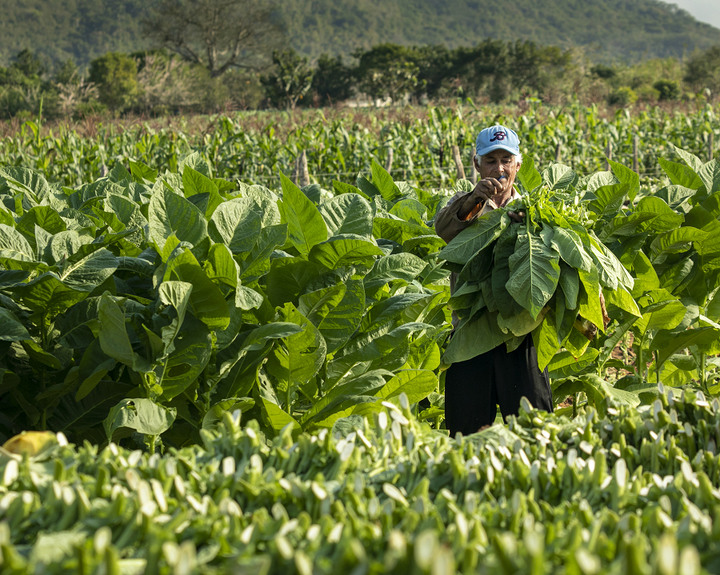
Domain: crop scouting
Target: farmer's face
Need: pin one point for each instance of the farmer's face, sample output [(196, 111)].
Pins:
[(498, 163)]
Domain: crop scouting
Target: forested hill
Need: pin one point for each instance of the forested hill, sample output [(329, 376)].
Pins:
[(609, 30)]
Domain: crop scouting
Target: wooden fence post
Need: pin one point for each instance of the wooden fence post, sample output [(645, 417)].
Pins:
[(389, 162), (710, 146), (558, 154), (458, 162), (608, 154), (302, 175), (636, 160)]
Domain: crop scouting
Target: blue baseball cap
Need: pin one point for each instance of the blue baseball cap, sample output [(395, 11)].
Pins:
[(497, 138)]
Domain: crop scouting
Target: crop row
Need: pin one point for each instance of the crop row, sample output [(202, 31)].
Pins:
[(416, 146), (634, 491)]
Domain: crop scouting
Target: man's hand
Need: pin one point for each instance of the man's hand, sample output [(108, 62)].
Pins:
[(518, 217), (486, 189)]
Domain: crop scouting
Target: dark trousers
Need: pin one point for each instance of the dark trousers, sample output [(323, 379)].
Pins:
[(474, 388)]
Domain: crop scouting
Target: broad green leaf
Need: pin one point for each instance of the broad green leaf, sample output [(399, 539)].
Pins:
[(626, 176), (476, 237), (622, 299), (44, 217), (680, 174), (296, 359), (589, 301), (26, 181), (417, 384), (344, 318), (691, 160), (278, 418), (94, 366), (141, 172), (177, 295), (569, 245), (63, 245), (565, 364), (669, 343), (141, 415), (14, 246), (341, 251), (404, 267), (398, 231), (47, 294), (192, 350), (11, 329), (660, 310), (384, 182), (710, 176), (559, 176), (206, 300), (609, 199), (220, 266), (113, 336), (534, 273), (88, 273), (666, 219), (289, 278), (172, 214), (306, 227), (348, 213), (528, 175), (676, 241), (365, 385), (238, 222), (570, 284), (410, 210), (478, 335), (317, 305)]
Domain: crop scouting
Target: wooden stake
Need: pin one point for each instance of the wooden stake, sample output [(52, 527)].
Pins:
[(303, 176), (458, 163), (710, 146), (558, 155), (389, 163), (636, 161), (608, 154)]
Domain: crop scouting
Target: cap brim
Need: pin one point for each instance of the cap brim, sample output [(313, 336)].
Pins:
[(485, 151)]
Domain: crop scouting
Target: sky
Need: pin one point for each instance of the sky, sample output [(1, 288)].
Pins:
[(703, 10)]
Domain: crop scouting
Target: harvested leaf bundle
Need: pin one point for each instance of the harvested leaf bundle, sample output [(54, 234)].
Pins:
[(538, 277)]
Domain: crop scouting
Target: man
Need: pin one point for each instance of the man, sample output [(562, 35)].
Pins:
[(474, 388)]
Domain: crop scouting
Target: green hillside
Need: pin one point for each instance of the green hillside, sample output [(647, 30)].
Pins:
[(607, 29)]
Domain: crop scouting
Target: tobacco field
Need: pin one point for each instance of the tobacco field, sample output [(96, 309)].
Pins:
[(223, 369)]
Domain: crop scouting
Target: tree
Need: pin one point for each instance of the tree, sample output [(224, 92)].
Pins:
[(290, 81), (216, 34), (387, 71), (115, 76), (333, 80), (702, 70)]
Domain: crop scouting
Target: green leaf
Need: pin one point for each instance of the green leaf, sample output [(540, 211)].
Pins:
[(669, 343), (384, 183), (11, 329), (559, 176), (141, 415), (278, 418), (404, 267), (710, 176), (341, 251), (206, 300), (306, 227), (534, 273), (238, 222), (171, 214), (89, 272), (627, 177), (528, 175), (14, 246), (191, 353), (113, 336), (622, 299), (476, 237), (348, 213), (569, 245), (474, 337), (565, 364), (680, 174), (298, 357)]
